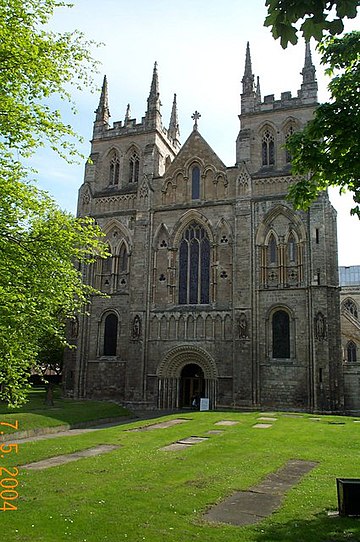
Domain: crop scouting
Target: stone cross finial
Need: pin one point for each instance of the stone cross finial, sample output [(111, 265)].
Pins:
[(196, 117)]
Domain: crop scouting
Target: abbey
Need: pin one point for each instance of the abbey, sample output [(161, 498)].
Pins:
[(216, 287)]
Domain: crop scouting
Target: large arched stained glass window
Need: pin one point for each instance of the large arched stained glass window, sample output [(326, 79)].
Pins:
[(110, 335), (194, 266), (281, 334)]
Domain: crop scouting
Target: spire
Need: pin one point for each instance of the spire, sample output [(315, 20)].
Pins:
[(153, 115), (102, 112), (127, 114), (309, 83), (174, 131), (308, 72), (248, 79)]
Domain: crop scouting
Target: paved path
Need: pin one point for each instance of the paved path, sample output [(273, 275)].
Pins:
[(249, 507), (140, 415)]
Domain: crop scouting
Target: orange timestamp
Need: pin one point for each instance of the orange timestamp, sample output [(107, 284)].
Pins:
[(8, 480)]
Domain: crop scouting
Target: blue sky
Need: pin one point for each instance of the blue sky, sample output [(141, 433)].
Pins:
[(200, 49)]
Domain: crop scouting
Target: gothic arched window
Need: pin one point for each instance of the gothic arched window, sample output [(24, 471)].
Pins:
[(272, 250), (194, 266), (292, 249), (351, 351), (195, 183), (268, 148), (114, 172), (107, 263), (289, 132), (110, 335), (280, 335), (134, 167), (123, 259), (350, 306)]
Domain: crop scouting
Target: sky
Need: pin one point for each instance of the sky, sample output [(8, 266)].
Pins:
[(199, 46)]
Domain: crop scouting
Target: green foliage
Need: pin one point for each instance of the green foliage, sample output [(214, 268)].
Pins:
[(40, 284), (326, 153), (317, 18), (35, 65), (41, 247)]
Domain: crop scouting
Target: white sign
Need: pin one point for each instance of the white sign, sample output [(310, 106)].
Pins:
[(204, 403)]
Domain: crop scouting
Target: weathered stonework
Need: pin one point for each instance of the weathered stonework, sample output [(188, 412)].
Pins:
[(215, 283)]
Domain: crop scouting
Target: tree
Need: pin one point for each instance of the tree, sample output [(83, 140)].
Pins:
[(43, 250), (327, 152), (317, 17), (36, 65)]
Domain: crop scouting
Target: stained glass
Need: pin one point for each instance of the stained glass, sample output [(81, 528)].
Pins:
[(194, 266)]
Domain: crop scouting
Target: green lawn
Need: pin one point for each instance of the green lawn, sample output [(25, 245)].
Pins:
[(35, 414), (139, 492)]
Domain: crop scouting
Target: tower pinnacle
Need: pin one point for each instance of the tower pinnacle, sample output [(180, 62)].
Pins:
[(153, 115), (309, 83), (248, 79), (174, 131), (102, 112)]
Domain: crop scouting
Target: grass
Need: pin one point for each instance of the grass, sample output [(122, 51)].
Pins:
[(35, 414), (139, 492)]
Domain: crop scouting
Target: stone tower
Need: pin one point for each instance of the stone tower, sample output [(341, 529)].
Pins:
[(216, 287)]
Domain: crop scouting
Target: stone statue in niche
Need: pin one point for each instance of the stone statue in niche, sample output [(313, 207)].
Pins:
[(320, 326), (74, 328), (243, 326), (136, 327)]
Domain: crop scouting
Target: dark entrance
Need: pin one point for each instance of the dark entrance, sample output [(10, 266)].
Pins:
[(192, 385)]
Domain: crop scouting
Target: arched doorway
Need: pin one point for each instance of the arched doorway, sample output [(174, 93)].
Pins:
[(184, 372), (192, 385)]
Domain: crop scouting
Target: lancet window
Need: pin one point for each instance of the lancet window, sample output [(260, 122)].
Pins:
[(268, 148), (114, 170), (134, 168), (195, 183), (351, 351)]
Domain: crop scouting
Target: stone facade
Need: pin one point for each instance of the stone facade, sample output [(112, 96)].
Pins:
[(350, 335), (216, 286)]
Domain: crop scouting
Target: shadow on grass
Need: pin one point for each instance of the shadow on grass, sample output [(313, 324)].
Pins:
[(62, 411), (322, 528)]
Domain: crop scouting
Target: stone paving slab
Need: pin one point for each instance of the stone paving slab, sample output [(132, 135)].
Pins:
[(160, 425), (215, 432), (267, 419), (68, 458), (262, 425), (193, 440), (249, 507), (175, 447), (183, 443)]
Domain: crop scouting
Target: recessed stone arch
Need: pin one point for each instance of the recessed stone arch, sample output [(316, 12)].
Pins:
[(185, 220), (171, 370), (176, 359)]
